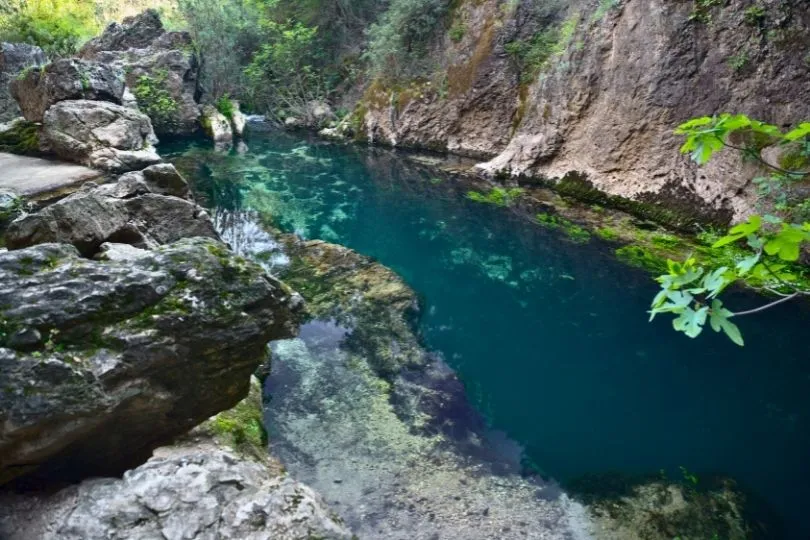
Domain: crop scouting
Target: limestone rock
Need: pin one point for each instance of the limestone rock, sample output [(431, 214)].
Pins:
[(102, 361), (14, 58), (215, 125), (99, 134), (184, 494), (238, 120), (66, 79), (133, 33), (164, 62), (143, 209)]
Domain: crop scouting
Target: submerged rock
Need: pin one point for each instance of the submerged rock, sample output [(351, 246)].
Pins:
[(161, 68), (144, 209), (38, 89), (101, 135), (102, 361), (14, 58)]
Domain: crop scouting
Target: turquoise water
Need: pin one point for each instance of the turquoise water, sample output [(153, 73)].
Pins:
[(550, 338)]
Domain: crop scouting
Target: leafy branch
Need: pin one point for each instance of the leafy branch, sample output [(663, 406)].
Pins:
[(691, 292)]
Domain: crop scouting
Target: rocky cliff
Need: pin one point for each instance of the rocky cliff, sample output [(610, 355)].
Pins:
[(597, 88)]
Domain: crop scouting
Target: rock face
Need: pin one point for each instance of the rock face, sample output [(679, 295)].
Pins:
[(100, 134), (14, 58), (145, 209), (102, 361), (66, 79), (215, 125), (610, 93), (156, 62)]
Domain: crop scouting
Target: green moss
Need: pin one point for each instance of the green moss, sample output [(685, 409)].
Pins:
[(497, 196), (642, 258), (575, 232), (242, 427), (22, 138), (607, 233)]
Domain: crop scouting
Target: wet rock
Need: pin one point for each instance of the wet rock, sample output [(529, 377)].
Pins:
[(155, 62), (143, 209), (14, 58), (216, 125), (134, 351), (66, 79), (178, 494), (238, 120), (101, 135)]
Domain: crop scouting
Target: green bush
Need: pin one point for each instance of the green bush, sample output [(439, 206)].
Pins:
[(225, 106), (398, 43), (155, 100), (57, 26)]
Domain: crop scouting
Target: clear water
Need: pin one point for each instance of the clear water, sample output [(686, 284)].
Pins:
[(550, 338)]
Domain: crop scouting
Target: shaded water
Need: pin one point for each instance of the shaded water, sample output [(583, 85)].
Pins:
[(551, 338)]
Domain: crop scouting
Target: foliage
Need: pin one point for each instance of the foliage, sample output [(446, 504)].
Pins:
[(702, 10), (690, 291), (754, 15), (603, 9), (738, 61), (57, 26), (283, 77), (154, 99), (534, 55), (225, 106), (497, 196), (398, 42), (226, 34), (457, 32)]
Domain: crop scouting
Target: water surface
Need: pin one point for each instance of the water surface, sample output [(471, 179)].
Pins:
[(550, 338)]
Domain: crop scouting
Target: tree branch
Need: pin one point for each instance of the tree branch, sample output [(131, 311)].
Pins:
[(766, 306)]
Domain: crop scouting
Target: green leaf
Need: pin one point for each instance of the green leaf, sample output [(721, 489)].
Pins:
[(691, 322), (717, 280), (719, 320), (795, 134), (745, 265)]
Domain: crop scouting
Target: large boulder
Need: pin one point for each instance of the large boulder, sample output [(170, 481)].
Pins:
[(161, 67), (179, 494), (101, 135), (216, 125), (36, 90), (14, 59), (146, 209), (101, 361)]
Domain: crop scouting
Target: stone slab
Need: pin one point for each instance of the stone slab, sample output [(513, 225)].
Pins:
[(35, 177)]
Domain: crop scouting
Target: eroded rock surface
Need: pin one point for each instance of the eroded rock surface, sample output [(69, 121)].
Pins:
[(38, 89), (144, 208), (14, 58), (100, 134), (102, 361), (617, 80), (216, 125), (155, 60)]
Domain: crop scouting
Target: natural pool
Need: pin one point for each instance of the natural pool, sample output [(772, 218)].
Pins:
[(550, 337)]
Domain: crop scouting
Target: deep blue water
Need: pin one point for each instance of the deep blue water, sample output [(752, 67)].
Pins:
[(551, 338)]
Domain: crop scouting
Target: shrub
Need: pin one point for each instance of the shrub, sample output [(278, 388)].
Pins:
[(398, 43), (57, 26), (225, 106), (155, 100)]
